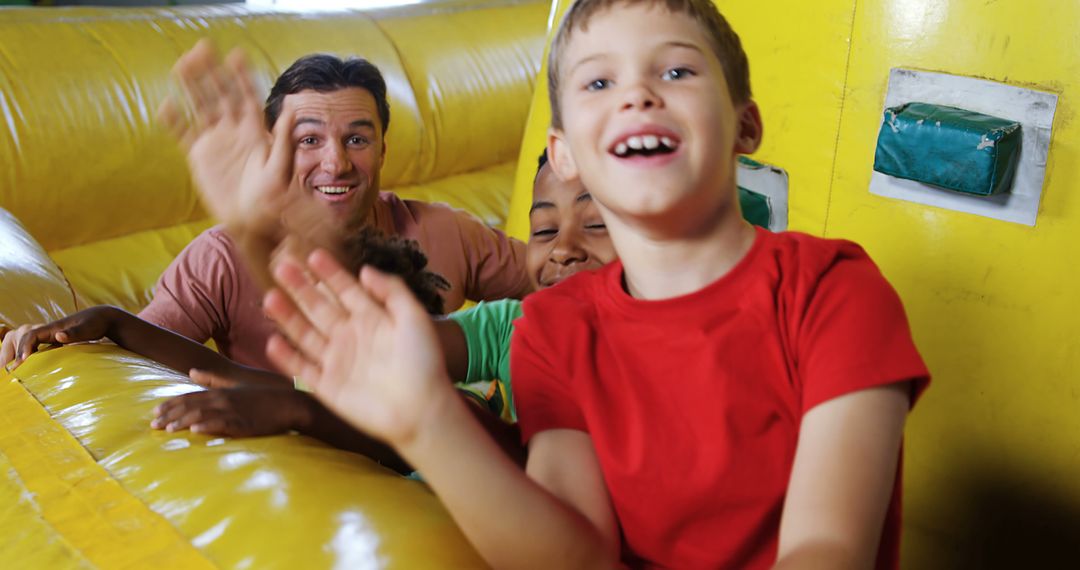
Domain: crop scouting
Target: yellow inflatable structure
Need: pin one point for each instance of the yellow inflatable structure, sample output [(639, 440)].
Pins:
[(96, 202), (990, 455)]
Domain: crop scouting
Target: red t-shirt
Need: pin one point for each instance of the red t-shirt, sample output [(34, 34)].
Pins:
[(207, 292), (694, 403)]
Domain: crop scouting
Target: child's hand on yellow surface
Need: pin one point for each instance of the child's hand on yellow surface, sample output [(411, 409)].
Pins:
[(86, 325), (245, 411)]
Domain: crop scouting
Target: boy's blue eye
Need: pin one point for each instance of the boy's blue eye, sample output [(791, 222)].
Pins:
[(598, 84), (677, 73), (309, 140), (357, 140)]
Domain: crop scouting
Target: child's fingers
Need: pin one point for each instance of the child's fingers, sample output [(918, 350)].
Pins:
[(77, 331), (189, 409), (189, 417), (236, 61), (294, 324), (345, 287), (392, 292), (230, 102), (167, 412), (177, 407), (195, 71), (171, 116), (321, 308), (280, 160), (7, 349), (292, 362), (226, 425), (28, 342)]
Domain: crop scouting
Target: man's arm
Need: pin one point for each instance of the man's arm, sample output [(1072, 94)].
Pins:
[(842, 479)]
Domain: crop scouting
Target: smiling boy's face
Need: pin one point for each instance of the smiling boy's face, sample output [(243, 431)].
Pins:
[(648, 121), (567, 234)]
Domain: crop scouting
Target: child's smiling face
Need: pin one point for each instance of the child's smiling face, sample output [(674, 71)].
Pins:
[(648, 121), (567, 233)]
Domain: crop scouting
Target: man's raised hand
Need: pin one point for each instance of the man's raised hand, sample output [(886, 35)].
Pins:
[(241, 171)]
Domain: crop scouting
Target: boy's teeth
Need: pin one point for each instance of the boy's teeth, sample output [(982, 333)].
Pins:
[(644, 143)]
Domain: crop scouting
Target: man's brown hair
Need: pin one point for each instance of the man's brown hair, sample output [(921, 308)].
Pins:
[(723, 40)]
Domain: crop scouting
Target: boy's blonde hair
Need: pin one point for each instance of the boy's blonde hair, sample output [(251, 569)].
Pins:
[(723, 40)]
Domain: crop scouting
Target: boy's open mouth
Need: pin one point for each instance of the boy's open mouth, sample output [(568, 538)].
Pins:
[(645, 145)]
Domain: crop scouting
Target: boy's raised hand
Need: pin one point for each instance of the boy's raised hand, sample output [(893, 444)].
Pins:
[(367, 348), (85, 325), (241, 172)]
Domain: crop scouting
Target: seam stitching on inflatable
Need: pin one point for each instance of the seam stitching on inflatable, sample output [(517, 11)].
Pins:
[(79, 498), (839, 120)]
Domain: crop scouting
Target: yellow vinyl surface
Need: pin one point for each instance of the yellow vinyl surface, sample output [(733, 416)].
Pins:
[(103, 479)]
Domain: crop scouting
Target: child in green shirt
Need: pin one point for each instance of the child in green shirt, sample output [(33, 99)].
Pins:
[(566, 236)]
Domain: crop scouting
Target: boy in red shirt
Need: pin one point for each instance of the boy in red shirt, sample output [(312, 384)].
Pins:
[(720, 397)]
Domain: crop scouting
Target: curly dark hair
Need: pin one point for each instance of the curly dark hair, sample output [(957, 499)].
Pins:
[(398, 256)]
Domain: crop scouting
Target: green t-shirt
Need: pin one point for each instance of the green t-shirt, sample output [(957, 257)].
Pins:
[(487, 328)]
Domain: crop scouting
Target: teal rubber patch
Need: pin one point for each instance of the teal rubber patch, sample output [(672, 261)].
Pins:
[(755, 207), (950, 148)]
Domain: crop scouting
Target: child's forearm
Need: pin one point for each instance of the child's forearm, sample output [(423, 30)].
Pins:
[(455, 348), (162, 345), (511, 520), (322, 424)]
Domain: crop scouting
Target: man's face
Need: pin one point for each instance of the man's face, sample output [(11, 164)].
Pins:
[(648, 122), (339, 150), (567, 234)]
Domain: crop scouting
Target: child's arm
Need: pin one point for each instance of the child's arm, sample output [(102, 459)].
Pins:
[(558, 514), (134, 334), (842, 479), (454, 346), (369, 351)]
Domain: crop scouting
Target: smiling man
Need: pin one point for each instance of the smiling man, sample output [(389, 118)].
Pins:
[(338, 115)]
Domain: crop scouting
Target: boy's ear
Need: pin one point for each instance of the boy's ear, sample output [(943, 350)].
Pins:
[(562, 162), (751, 129)]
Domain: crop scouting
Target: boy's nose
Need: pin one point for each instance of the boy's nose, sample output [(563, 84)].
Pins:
[(640, 96)]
